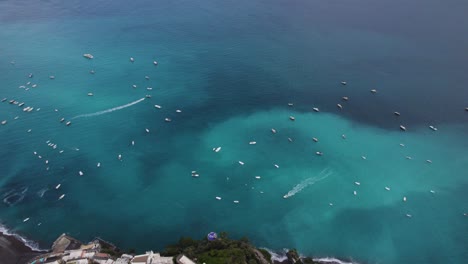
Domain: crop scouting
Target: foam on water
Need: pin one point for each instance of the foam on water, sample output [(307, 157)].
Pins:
[(309, 181), (27, 242), (110, 110)]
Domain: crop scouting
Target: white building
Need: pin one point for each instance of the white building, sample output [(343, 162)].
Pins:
[(184, 260), (151, 258)]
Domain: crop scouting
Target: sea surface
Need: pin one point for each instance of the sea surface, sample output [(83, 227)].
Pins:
[(231, 68)]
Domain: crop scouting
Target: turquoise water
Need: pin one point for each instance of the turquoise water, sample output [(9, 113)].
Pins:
[(232, 68)]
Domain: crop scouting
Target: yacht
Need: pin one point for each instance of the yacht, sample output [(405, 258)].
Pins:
[(241, 163), (4, 122), (158, 106), (88, 56), (90, 94), (62, 119), (68, 123), (316, 109), (80, 173), (217, 149), (276, 166), (433, 128), (61, 196), (273, 131), (167, 119), (155, 63), (292, 118), (343, 83), (339, 106), (387, 188), (345, 98), (403, 128), (252, 142), (58, 186)]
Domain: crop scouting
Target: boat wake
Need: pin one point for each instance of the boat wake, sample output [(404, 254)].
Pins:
[(309, 181), (110, 110), (14, 196)]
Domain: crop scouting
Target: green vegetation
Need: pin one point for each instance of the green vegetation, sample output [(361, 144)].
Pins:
[(221, 251)]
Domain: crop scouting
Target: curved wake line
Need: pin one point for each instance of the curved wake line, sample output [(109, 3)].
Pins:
[(309, 181), (110, 110)]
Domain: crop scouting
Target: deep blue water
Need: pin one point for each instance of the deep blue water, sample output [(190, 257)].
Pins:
[(232, 67)]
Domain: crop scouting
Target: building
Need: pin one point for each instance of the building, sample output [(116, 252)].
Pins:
[(151, 258), (182, 259)]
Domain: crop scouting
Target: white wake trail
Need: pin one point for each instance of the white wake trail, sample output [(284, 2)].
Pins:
[(309, 181), (110, 110)]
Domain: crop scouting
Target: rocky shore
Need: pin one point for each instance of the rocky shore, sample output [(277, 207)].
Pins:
[(14, 251)]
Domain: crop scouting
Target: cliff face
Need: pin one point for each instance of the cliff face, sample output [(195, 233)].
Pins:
[(13, 251)]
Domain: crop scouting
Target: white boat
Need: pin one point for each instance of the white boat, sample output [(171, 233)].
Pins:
[(3, 100), (252, 142), (387, 188), (80, 173), (318, 153), (273, 131), (285, 196), (431, 191), (315, 139), (217, 149), (364, 157), (292, 118), (236, 201), (429, 161), (147, 130), (290, 139), (357, 183), (195, 174), (345, 98), (133, 143), (397, 113), (258, 177), (155, 63), (20, 104), (276, 166), (402, 145), (218, 198), (149, 88), (90, 94), (241, 163), (158, 106), (51, 77), (26, 219), (134, 86), (290, 104), (433, 128), (88, 56), (61, 196), (339, 106), (147, 77), (178, 111), (354, 192), (402, 127), (58, 186), (404, 199), (119, 156), (132, 59), (408, 215), (68, 123), (373, 91), (148, 96), (343, 83), (343, 136), (62, 119), (92, 72), (98, 165), (167, 119), (316, 109), (47, 162), (4, 122), (34, 86)]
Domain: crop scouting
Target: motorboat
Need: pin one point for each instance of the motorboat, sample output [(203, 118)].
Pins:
[(373, 91), (292, 118), (218, 149), (3, 100), (20, 104), (88, 56), (290, 104), (258, 177), (315, 139), (241, 162), (90, 94), (276, 166), (62, 119), (167, 119), (4, 122), (357, 183), (343, 83), (273, 131), (397, 113), (316, 109), (132, 59), (155, 63), (147, 130), (149, 88), (98, 164), (178, 111), (148, 96), (61, 196), (403, 128), (252, 142), (218, 198), (158, 106), (58, 186), (345, 98), (433, 128), (80, 173), (387, 188), (68, 123), (339, 106), (318, 153)]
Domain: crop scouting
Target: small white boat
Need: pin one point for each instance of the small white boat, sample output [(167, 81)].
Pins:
[(258, 177), (236, 201), (290, 139), (20, 104), (25, 220), (98, 164), (147, 77), (132, 59), (364, 157), (34, 86), (318, 153), (276, 166), (433, 128), (58, 186), (290, 104), (39, 156), (80, 173), (167, 119), (285, 196), (61, 196), (403, 128), (252, 142), (147, 130), (432, 191), (241, 163), (316, 109), (149, 88), (47, 162), (408, 215), (157, 106), (373, 91), (354, 192), (90, 94), (343, 83), (429, 161), (315, 139), (339, 106), (62, 119), (68, 123), (409, 158), (404, 199), (35, 153), (345, 98), (217, 149), (397, 113), (357, 183), (87, 55), (196, 175), (292, 118), (155, 63), (61, 151), (119, 156), (3, 100), (51, 77), (218, 198), (273, 131), (178, 111), (387, 188), (402, 145), (133, 143), (331, 204), (343, 136), (134, 86), (92, 72), (4, 122)]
